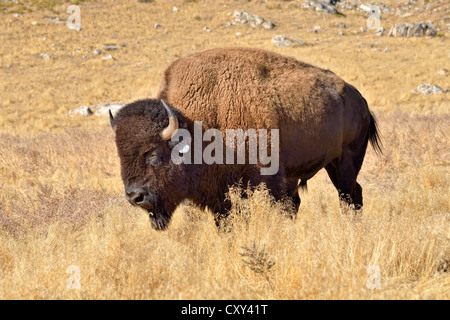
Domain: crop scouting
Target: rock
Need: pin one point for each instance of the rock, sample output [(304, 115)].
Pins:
[(157, 25), (286, 41), (97, 51), (340, 25), (268, 25), (429, 88), (327, 6), (110, 46), (442, 72), (242, 17), (84, 111), (175, 9), (315, 29), (101, 109), (417, 29), (45, 56), (55, 20), (207, 29), (380, 32), (108, 57), (75, 27)]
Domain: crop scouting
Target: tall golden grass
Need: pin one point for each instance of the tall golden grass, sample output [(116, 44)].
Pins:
[(70, 211), (61, 197)]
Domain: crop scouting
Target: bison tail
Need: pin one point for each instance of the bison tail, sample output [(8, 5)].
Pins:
[(374, 135)]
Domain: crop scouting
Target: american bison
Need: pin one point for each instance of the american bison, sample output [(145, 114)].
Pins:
[(320, 120)]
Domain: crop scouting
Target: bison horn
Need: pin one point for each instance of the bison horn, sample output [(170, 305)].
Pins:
[(170, 130), (111, 119)]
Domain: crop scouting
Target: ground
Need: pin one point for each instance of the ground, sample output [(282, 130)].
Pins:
[(62, 209)]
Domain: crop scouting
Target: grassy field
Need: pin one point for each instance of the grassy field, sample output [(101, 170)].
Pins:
[(62, 206)]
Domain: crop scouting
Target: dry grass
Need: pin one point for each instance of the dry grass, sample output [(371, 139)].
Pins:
[(57, 220), (61, 201)]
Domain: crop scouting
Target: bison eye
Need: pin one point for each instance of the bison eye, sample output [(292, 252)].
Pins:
[(153, 159)]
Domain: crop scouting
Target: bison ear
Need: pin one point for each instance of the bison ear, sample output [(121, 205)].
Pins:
[(112, 121)]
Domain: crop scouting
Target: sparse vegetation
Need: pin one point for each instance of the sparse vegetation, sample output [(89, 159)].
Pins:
[(61, 196)]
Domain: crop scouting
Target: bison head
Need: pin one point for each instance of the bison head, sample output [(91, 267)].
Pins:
[(151, 180)]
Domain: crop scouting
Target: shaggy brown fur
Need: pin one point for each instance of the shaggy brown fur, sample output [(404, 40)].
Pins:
[(323, 122)]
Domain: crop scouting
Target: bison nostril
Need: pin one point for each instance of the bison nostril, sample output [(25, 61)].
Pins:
[(139, 198), (136, 196)]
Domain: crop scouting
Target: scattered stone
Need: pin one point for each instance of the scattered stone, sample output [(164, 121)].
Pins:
[(340, 25), (207, 29), (75, 27), (97, 51), (175, 9), (110, 46), (100, 109), (34, 23), (157, 25), (84, 111), (44, 39), (286, 41), (108, 57), (380, 32), (442, 72), (429, 88), (242, 17), (45, 56), (327, 6), (417, 29), (386, 50), (54, 20), (363, 29), (340, 32)]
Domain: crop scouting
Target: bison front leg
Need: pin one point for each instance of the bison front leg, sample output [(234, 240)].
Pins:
[(222, 216), (292, 187)]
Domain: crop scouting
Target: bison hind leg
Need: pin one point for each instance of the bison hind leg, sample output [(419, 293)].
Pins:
[(343, 174)]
